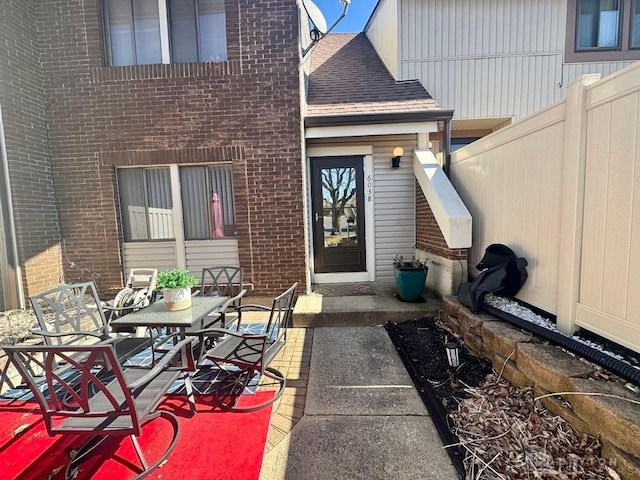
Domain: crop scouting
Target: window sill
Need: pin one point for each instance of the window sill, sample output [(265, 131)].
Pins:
[(602, 56), (163, 71)]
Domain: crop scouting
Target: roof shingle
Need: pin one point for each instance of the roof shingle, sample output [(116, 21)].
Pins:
[(348, 78)]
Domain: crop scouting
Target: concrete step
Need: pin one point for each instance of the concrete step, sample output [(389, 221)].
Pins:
[(315, 310)]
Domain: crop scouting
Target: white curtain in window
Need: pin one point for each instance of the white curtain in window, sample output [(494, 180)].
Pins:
[(120, 19), (134, 31), (184, 35), (132, 204), (160, 206), (146, 24), (608, 31), (196, 215), (212, 28), (635, 26), (222, 184), (197, 186)]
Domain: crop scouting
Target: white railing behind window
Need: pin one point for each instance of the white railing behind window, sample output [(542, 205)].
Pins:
[(160, 223)]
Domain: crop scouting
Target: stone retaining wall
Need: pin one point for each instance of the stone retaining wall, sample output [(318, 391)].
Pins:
[(526, 360)]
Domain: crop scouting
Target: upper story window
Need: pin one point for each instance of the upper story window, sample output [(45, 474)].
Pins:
[(635, 24), (598, 24), (602, 30), (165, 31)]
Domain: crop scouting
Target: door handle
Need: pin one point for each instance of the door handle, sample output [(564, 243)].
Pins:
[(317, 217)]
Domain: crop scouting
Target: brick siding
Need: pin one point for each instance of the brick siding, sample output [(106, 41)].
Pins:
[(245, 111), (23, 110), (428, 235)]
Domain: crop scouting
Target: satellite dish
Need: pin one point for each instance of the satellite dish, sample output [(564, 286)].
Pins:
[(316, 16)]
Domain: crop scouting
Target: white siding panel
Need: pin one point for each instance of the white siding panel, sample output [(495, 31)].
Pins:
[(394, 205), (490, 58), (494, 86), (210, 253), (159, 255), (383, 34), (199, 254)]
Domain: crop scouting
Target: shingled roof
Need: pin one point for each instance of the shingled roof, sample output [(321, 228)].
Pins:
[(348, 78)]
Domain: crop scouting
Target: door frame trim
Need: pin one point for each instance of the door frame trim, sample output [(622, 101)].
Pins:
[(366, 151)]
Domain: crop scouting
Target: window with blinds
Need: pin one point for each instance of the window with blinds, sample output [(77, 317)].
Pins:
[(207, 205), (146, 208), (140, 32)]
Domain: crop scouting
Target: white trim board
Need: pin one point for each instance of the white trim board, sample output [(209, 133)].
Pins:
[(365, 130)]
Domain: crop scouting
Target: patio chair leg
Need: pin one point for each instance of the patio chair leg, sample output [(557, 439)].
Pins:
[(86, 449), (176, 431), (247, 376), (93, 443), (188, 387)]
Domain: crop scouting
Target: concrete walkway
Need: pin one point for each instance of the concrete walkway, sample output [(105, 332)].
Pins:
[(362, 418)]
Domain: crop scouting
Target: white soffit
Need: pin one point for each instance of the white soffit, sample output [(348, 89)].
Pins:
[(371, 129), (479, 123)]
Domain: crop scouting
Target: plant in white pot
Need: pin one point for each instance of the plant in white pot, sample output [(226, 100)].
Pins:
[(176, 288)]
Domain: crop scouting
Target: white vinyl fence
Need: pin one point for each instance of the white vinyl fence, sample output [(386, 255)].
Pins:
[(562, 188)]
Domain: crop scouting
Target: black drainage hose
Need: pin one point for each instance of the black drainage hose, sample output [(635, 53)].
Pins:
[(612, 364)]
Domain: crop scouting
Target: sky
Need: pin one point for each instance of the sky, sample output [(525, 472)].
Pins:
[(357, 14)]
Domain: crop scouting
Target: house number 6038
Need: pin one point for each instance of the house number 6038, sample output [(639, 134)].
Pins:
[(369, 188)]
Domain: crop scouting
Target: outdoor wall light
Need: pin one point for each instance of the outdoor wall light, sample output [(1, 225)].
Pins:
[(453, 352), (397, 154)]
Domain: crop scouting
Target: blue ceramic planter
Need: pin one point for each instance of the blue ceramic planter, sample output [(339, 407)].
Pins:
[(410, 282)]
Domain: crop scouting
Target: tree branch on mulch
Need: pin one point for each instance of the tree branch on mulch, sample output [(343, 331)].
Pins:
[(508, 436)]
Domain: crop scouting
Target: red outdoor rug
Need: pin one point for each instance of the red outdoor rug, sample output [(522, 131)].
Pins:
[(212, 445)]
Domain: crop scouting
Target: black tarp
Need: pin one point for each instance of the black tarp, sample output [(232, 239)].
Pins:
[(501, 272)]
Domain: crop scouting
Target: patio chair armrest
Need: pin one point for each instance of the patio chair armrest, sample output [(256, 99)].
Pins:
[(80, 333), (226, 331), (228, 304), (251, 306), (182, 345)]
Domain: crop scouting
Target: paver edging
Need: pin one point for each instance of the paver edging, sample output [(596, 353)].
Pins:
[(529, 363)]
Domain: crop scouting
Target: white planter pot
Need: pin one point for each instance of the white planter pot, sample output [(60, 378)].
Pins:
[(177, 298)]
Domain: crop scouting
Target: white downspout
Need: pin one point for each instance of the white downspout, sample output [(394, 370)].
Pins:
[(9, 264)]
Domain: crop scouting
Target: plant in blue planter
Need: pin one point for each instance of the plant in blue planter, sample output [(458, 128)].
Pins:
[(410, 276)]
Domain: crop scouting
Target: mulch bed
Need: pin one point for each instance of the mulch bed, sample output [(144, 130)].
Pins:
[(493, 429)]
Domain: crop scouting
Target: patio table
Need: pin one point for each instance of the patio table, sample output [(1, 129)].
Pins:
[(155, 316)]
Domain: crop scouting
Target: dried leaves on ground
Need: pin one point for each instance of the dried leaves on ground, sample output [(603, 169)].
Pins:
[(15, 325), (506, 436)]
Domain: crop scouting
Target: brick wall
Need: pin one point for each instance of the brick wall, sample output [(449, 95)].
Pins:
[(23, 110), (245, 111), (428, 235)]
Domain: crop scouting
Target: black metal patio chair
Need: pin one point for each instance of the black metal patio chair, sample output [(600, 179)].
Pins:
[(226, 281), (102, 399), (245, 357), (72, 314)]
